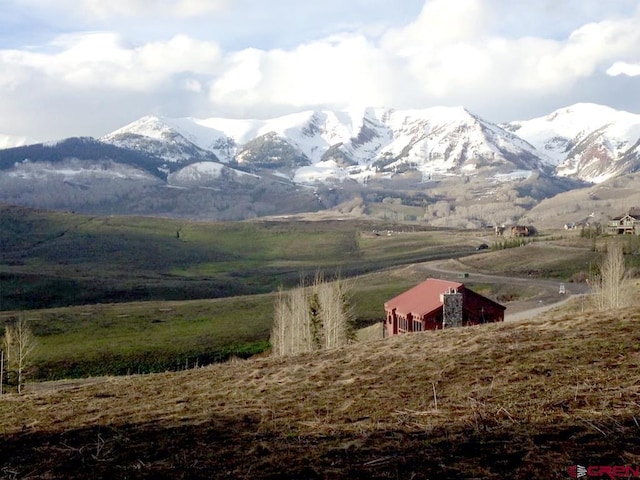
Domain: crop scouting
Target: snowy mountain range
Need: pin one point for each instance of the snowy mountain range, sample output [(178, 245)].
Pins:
[(320, 145), (322, 149), (585, 141)]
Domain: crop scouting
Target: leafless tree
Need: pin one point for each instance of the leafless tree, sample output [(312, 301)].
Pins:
[(7, 351), (312, 317), (336, 312), (1, 372), (19, 345), (291, 331), (611, 287)]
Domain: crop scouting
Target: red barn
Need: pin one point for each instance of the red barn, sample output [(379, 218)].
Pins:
[(435, 304)]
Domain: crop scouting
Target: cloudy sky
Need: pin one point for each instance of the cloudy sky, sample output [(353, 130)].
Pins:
[(88, 67)]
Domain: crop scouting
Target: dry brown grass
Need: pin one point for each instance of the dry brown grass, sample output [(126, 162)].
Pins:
[(515, 400), (537, 259)]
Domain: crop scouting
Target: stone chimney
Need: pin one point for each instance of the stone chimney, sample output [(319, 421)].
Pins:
[(451, 308)]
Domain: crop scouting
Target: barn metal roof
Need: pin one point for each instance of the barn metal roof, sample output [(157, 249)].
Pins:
[(422, 299)]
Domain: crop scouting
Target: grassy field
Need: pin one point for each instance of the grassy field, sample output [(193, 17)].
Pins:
[(61, 259), (516, 400), (143, 337), (568, 258), (77, 259), (119, 339), (105, 264), (207, 287), (118, 295), (524, 399)]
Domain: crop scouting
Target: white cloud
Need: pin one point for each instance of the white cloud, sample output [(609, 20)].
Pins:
[(101, 59), (342, 71), (452, 53), (441, 23), (242, 75), (448, 55), (476, 53), (180, 54), (192, 85), (624, 68)]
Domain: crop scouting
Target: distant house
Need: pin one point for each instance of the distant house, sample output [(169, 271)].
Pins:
[(628, 223), (435, 304), (521, 231)]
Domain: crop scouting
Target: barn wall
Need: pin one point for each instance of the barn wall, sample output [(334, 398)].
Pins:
[(481, 310)]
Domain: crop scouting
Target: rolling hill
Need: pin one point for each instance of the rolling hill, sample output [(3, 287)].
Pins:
[(51, 259), (518, 400)]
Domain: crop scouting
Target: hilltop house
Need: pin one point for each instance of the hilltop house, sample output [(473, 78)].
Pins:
[(520, 231), (435, 304), (625, 224), (515, 231)]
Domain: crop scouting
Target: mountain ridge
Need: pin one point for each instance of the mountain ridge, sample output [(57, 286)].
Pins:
[(434, 140), (439, 154)]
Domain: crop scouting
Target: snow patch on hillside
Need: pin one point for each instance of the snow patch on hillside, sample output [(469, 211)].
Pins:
[(320, 172), (72, 168), (205, 171), (516, 175)]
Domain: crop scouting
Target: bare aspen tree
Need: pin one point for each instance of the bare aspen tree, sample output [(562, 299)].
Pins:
[(291, 331), (20, 344), (7, 347), (302, 338), (310, 318), (329, 314), (336, 311), (611, 286), (278, 331), (336, 314), (345, 292)]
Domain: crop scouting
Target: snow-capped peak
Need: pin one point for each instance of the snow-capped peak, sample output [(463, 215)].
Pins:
[(582, 140), (148, 126)]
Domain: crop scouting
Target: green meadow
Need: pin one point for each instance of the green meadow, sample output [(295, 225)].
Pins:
[(61, 259), (118, 295)]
